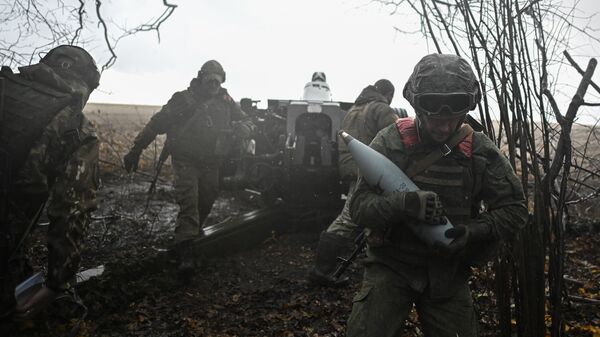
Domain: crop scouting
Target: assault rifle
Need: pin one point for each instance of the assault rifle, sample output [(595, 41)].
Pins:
[(164, 154), (360, 243)]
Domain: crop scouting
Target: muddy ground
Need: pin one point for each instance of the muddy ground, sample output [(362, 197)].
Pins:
[(258, 292)]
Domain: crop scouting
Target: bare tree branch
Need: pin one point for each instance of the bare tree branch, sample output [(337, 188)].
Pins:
[(579, 70), (29, 26)]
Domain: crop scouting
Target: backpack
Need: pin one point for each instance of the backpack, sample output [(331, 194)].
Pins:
[(26, 108)]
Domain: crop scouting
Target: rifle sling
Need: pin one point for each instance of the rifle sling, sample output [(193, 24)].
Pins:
[(444, 150)]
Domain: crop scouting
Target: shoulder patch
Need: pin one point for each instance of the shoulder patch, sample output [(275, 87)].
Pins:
[(408, 134), (466, 145), (224, 94), (408, 131), (227, 98)]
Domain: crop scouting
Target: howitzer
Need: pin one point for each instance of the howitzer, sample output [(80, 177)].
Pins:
[(296, 153), (380, 172), (295, 158)]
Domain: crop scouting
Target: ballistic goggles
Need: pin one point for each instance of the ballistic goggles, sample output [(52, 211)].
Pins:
[(213, 77), (443, 104)]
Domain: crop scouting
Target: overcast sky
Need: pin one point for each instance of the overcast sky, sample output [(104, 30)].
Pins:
[(269, 48)]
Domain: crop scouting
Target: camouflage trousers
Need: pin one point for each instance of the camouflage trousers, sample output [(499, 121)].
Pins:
[(196, 189), (343, 225), (385, 300)]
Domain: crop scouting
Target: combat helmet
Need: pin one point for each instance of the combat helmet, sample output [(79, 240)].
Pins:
[(212, 68), (72, 62), (442, 85)]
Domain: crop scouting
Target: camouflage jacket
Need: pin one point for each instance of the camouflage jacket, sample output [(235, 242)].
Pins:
[(369, 114), (199, 129), (62, 167), (491, 180)]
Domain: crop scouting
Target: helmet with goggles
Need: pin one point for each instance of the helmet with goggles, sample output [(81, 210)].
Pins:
[(212, 70), (72, 62), (442, 85)]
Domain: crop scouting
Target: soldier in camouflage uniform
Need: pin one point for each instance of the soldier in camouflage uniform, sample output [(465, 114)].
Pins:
[(49, 157), (479, 192), (201, 123), (370, 113)]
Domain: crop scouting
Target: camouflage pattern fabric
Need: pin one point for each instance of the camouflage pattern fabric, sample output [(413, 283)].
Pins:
[(442, 73), (68, 169), (370, 113), (417, 268), (196, 189), (385, 300), (63, 165), (199, 129)]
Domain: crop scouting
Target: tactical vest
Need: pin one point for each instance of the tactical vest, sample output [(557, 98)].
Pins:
[(355, 124), (206, 133), (450, 176), (26, 109)]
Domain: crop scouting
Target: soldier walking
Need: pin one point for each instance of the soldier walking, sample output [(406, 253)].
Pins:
[(201, 124), (456, 180)]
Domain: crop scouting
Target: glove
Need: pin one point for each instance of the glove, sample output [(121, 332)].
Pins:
[(36, 303), (241, 129), (462, 235), (424, 206), (132, 159)]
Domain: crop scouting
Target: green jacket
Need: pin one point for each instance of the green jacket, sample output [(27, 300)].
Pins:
[(370, 113), (198, 128), (489, 178)]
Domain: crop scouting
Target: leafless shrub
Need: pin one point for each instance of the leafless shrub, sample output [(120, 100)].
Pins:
[(28, 27), (117, 139)]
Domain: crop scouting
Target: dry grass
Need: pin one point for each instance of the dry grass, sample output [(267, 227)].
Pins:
[(117, 126)]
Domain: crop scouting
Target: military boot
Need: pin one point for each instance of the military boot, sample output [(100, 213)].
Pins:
[(326, 260)]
